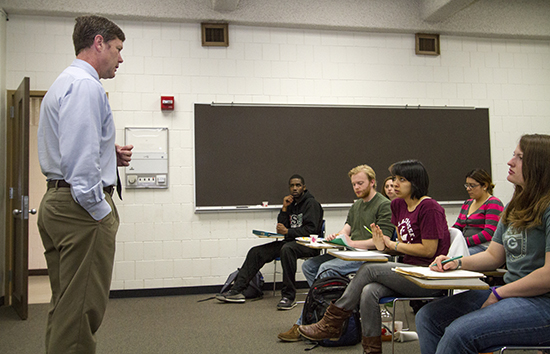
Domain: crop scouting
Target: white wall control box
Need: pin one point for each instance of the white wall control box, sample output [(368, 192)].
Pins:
[(149, 165)]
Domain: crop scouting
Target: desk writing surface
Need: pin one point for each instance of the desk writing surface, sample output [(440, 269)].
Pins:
[(446, 284), (362, 256), (317, 245)]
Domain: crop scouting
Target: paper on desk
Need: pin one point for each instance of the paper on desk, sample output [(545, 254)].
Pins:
[(360, 254), (427, 273)]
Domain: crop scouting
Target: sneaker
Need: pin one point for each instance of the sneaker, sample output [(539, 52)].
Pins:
[(231, 296), (292, 335), (286, 304)]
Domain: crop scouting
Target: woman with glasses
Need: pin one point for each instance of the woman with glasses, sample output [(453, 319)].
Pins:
[(517, 313), (480, 214)]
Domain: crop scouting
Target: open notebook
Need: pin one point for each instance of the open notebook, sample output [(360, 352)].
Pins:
[(340, 240), (427, 273)]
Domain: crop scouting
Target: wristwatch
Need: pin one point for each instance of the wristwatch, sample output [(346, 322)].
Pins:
[(459, 264)]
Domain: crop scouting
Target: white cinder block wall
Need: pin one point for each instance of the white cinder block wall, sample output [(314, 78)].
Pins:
[(161, 241)]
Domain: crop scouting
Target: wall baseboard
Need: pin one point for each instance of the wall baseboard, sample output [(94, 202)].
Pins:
[(187, 290)]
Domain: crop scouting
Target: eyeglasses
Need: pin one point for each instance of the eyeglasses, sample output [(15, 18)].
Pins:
[(471, 185)]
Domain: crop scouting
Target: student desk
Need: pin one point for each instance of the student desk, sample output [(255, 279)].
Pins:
[(317, 245), (449, 284), (362, 256)]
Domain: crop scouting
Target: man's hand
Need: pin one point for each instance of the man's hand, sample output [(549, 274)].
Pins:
[(331, 237), (123, 154), (287, 201), (281, 229)]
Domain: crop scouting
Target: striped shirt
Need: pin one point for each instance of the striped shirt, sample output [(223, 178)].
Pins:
[(480, 226)]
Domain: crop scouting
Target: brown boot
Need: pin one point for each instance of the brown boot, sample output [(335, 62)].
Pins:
[(292, 335), (372, 345), (329, 327)]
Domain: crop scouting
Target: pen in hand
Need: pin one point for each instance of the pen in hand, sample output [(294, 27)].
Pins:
[(367, 229), (447, 261)]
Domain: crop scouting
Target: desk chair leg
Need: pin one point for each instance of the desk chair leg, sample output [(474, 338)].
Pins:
[(274, 276), (393, 323)]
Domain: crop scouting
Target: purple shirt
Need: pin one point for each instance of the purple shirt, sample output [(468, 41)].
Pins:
[(427, 221)]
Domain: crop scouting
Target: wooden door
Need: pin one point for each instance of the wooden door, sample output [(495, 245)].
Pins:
[(18, 203)]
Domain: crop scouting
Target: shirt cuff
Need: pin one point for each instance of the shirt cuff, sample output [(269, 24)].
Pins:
[(99, 210)]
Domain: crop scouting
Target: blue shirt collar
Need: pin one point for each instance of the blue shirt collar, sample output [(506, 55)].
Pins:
[(84, 65)]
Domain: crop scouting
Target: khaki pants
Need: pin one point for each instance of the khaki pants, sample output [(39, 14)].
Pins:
[(79, 252)]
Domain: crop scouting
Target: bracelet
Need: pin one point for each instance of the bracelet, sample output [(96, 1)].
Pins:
[(396, 245), (459, 266), (494, 290)]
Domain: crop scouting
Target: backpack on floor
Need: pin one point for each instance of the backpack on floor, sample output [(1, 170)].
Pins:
[(323, 291), (254, 289)]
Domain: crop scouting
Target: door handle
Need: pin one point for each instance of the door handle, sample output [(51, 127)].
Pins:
[(17, 212)]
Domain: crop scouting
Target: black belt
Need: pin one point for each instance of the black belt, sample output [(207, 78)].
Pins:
[(59, 183)]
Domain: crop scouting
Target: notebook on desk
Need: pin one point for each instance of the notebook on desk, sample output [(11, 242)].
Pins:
[(427, 273), (266, 234), (340, 240), (361, 254)]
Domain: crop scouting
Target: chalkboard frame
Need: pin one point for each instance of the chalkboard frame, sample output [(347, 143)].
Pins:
[(245, 153)]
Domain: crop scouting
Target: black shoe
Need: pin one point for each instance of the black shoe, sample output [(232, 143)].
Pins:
[(286, 304), (231, 296)]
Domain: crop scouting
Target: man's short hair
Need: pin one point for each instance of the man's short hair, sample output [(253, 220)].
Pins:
[(364, 168), (86, 28), (297, 176)]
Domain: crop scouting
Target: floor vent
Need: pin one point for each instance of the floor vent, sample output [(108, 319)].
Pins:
[(215, 34), (427, 44)]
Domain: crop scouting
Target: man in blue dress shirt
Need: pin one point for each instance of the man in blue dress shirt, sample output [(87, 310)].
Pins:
[(77, 219)]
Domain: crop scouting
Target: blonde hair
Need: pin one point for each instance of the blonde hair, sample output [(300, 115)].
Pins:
[(364, 168)]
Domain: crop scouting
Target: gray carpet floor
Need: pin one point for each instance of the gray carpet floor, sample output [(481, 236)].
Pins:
[(180, 324)]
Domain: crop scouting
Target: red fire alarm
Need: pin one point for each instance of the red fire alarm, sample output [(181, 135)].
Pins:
[(167, 103)]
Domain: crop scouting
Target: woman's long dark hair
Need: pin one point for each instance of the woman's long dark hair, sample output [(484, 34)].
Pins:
[(531, 200)]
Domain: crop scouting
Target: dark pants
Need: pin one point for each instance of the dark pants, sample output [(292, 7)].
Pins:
[(259, 255)]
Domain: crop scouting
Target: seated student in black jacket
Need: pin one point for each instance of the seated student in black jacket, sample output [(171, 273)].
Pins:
[(301, 215)]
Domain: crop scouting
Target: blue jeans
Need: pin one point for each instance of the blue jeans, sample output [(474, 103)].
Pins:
[(317, 265), (478, 248), (457, 324)]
